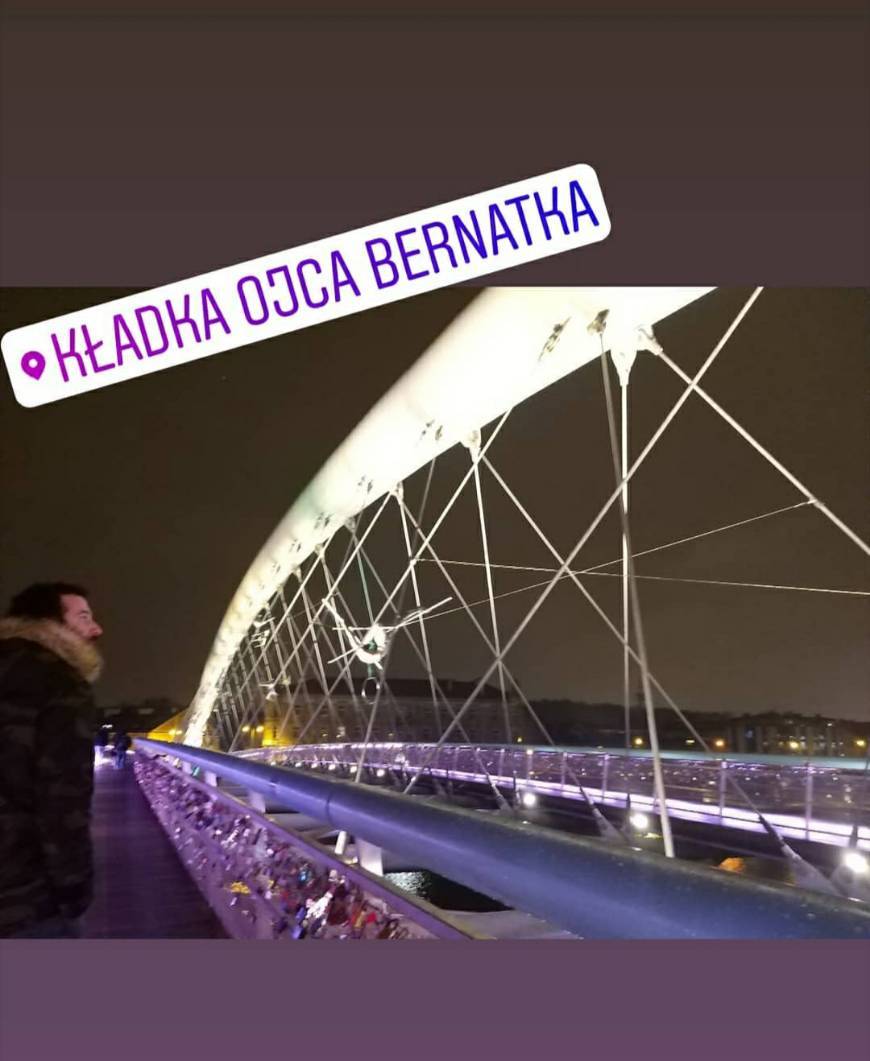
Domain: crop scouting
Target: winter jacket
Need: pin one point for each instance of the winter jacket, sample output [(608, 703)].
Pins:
[(46, 771)]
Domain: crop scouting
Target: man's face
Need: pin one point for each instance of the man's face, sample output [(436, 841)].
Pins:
[(77, 616)]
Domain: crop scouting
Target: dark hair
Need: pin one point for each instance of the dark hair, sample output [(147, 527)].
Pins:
[(42, 600)]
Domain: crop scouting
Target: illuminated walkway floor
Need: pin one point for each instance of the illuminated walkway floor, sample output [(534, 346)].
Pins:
[(142, 891)]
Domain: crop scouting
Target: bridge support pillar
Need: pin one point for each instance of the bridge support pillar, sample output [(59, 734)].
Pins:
[(257, 800), (210, 778), (370, 857)]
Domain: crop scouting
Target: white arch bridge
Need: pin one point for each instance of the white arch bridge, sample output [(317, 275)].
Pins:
[(395, 567)]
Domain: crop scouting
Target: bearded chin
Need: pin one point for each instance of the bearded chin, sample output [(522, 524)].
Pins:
[(98, 660), (89, 659)]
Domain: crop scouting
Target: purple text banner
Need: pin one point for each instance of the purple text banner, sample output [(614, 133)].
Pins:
[(284, 292)]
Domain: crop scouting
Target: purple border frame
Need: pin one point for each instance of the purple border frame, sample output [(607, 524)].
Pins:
[(221, 1000), (756, 176)]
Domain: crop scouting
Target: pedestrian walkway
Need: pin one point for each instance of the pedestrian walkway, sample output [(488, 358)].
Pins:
[(141, 890)]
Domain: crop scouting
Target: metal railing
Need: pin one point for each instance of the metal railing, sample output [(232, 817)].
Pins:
[(821, 800), (266, 882), (583, 885)]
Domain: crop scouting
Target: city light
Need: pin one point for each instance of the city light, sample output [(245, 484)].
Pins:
[(718, 743), (856, 862), (639, 821), (793, 744), (638, 742), (381, 772), (860, 742), (529, 799)]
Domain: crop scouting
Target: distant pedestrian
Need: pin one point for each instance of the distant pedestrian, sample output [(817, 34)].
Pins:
[(48, 661), (122, 743), (100, 742)]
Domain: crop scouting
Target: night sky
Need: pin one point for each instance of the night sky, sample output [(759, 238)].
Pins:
[(157, 493)]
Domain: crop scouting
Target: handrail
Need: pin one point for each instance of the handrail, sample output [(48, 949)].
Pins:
[(590, 888), (553, 772), (855, 763)]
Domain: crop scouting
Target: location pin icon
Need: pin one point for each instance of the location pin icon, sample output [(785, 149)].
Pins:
[(33, 364)]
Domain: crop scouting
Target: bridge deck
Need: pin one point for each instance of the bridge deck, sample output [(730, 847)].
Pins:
[(142, 891)]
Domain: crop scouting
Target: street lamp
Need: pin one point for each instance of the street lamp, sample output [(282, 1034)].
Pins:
[(856, 862)]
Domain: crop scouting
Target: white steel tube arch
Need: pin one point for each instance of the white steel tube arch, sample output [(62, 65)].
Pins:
[(507, 345)]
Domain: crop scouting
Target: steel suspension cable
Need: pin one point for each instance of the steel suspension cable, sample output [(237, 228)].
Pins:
[(636, 616), (606, 507), (768, 456), (604, 825), (489, 586), (816, 879)]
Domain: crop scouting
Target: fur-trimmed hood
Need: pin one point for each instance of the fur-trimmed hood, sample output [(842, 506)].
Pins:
[(83, 656)]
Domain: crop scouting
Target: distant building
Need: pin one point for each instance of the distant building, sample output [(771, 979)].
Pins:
[(775, 734), (303, 713), (771, 733)]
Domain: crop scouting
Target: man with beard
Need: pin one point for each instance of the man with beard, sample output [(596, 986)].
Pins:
[(48, 662)]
